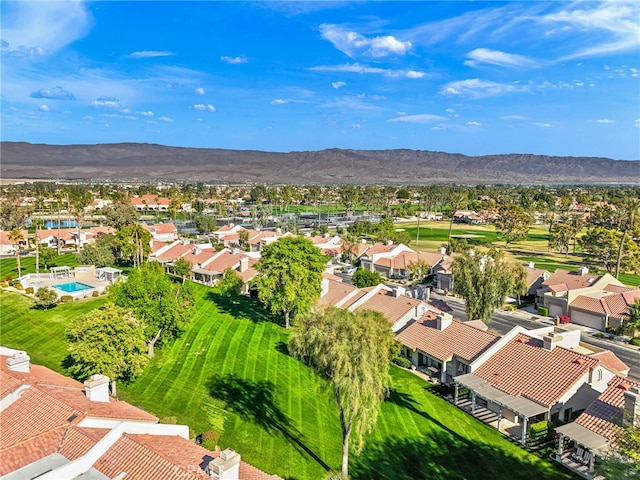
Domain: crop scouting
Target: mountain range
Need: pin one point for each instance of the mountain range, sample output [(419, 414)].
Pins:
[(151, 162)]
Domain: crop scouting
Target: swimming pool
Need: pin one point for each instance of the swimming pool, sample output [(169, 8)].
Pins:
[(71, 287)]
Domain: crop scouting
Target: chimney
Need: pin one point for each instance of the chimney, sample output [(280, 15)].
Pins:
[(631, 411), (443, 321), (326, 235), (324, 287), (96, 388), (244, 264), (443, 250), (389, 243), (582, 271), (531, 265), (278, 230), (18, 362), (226, 466), (399, 291), (549, 341), (363, 241)]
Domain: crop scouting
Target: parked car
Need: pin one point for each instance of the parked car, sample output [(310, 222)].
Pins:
[(350, 270)]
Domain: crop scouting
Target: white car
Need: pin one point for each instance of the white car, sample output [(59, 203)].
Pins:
[(350, 270)]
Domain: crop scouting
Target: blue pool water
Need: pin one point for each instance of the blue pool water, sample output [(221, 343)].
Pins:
[(73, 287)]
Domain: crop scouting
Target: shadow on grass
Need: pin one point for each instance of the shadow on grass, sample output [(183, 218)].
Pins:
[(255, 402), (443, 454), (243, 307)]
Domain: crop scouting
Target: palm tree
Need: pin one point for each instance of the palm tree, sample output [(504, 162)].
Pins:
[(38, 224), (632, 319), (16, 237), (632, 209)]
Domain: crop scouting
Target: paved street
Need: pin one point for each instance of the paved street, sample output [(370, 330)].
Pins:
[(502, 322)]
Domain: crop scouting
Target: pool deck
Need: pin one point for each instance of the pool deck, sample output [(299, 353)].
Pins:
[(44, 280)]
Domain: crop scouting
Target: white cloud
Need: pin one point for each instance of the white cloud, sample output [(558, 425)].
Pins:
[(234, 60), (43, 108), (150, 54), (199, 91), (513, 117), (166, 119), (106, 102), (354, 44), (604, 120), (31, 29), (356, 126), (637, 123), (147, 114), (55, 93), (204, 108), (541, 124), (366, 69), (496, 57), (414, 74), (476, 88), (337, 85), (422, 118), (279, 101), (88, 117), (474, 124)]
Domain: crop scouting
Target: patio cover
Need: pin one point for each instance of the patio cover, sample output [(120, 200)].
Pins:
[(583, 436), (209, 273), (108, 270), (520, 405)]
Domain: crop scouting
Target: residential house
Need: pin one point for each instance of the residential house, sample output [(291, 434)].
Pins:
[(162, 232), (68, 237), (152, 203), (593, 433), (470, 217), (330, 245), (7, 246), (535, 278), (602, 309), (523, 378), (229, 235), (371, 258), (54, 427), (443, 346), (562, 287)]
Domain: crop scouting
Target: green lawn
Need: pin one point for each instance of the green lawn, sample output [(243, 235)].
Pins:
[(9, 266), (231, 372)]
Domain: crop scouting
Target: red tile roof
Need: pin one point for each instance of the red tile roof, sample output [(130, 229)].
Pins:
[(458, 339), (523, 368), (393, 308), (611, 361), (604, 415), (563, 280)]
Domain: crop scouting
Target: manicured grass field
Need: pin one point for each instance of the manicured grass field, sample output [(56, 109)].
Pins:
[(230, 371), (9, 266)]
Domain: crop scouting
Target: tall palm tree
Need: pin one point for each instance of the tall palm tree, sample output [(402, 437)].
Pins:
[(16, 237), (632, 209), (38, 224)]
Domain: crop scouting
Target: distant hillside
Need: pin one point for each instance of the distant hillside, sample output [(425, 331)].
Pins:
[(146, 162)]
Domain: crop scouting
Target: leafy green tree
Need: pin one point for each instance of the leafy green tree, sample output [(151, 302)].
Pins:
[(484, 280), (512, 223), (362, 278), (418, 269), (15, 236), (135, 243), (100, 256), (630, 229), (45, 297), (108, 340), (205, 223), (164, 307), (230, 285), (182, 268), (353, 351), (47, 255), (13, 216), (349, 196), (623, 462), (560, 236), (602, 245), (120, 214), (290, 276)]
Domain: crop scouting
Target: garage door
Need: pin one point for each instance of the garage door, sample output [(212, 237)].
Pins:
[(555, 310), (587, 319)]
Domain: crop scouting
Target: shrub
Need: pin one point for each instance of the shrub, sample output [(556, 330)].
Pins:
[(29, 290), (18, 286), (66, 299), (543, 311), (169, 420), (209, 439), (564, 319), (403, 362), (540, 432), (95, 293), (8, 278), (635, 341), (598, 335), (4, 284)]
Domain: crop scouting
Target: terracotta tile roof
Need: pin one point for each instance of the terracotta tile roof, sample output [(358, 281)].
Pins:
[(175, 252), (458, 339), (224, 261), (604, 415), (617, 288), (523, 368), (156, 245), (8, 383), (4, 237), (355, 297), (612, 362), (201, 257), (562, 280), (393, 308), (337, 291), (613, 304), (150, 199), (533, 274), (31, 450), (78, 441), (378, 248), (591, 304)]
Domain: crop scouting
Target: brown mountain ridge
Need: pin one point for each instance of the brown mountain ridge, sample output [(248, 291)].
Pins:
[(151, 162)]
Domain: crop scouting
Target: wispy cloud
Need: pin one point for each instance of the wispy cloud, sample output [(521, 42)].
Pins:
[(476, 88), (204, 108), (481, 56), (421, 118), (604, 120), (234, 60), (150, 54), (366, 69), (147, 114), (199, 91), (513, 117), (55, 93), (474, 124), (44, 108), (106, 102), (541, 124), (355, 44), (166, 119), (337, 85), (637, 123), (279, 101)]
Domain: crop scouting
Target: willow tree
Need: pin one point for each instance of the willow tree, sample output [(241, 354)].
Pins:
[(351, 350), (484, 280), (290, 276)]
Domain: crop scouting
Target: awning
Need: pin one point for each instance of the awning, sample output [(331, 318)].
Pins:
[(583, 436), (482, 388)]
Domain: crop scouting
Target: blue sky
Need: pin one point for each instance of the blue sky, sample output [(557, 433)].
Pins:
[(552, 78)]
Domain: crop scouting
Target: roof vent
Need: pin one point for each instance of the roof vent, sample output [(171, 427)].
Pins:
[(582, 271), (580, 361)]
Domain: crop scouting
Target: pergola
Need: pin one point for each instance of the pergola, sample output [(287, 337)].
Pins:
[(108, 274), (480, 388), (583, 436), (61, 272)]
